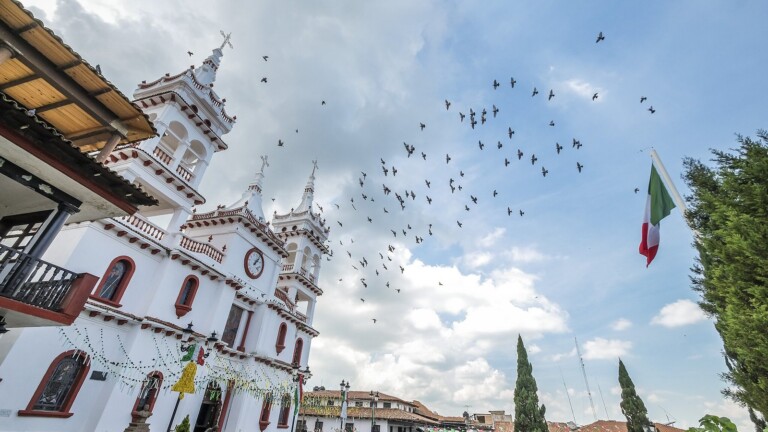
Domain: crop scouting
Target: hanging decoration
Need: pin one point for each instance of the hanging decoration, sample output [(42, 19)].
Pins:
[(186, 384)]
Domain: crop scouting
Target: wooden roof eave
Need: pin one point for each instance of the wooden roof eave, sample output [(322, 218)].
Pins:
[(49, 58)]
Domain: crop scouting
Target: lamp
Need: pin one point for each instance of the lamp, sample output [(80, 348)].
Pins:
[(213, 339), (375, 397), (187, 331)]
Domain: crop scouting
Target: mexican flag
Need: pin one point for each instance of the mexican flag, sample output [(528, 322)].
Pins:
[(657, 207)]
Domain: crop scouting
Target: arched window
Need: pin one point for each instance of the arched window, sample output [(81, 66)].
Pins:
[(59, 386), (297, 351), (285, 409), (115, 280), (148, 394), (281, 332), (186, 295), (266, 408)]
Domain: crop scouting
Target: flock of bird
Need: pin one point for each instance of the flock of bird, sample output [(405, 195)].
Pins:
[(381, 195)]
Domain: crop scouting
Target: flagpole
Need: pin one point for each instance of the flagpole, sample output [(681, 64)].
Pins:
[(668, 180)]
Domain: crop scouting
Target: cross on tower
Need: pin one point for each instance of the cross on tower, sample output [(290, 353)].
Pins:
[(227, 37), (314, 166), (264, 163)]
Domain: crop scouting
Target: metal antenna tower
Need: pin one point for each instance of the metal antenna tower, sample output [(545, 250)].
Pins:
[(607, 416), (584, 372), (569, 396)]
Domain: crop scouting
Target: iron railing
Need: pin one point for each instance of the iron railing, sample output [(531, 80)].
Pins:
[(33, 281)]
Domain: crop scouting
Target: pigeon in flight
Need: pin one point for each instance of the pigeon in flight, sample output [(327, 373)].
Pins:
[(447, 104), (422, 126), (510, 132), (551, 122), (462, 115), (190, 53), (533, 159), (265, 58), (495, 111), (594, 96), (558, 147), (651, 109), (643, 99), (519, 154), (551, 95), (512, 82), (264, 79), (637, 190), (579, 166), (447, 158), (544, 171), (280, 143), (535, 92), (600, 37), (495, 84)]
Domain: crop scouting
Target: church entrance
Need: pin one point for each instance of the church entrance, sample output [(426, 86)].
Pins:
[(209, 409)]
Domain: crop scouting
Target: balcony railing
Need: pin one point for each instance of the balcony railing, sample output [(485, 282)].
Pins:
[(33, 281), (162, 156), (289, 268), (202, 248), (143, 226), (184, 173)]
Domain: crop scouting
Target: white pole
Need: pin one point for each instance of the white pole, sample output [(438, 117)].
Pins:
[(679, 202)]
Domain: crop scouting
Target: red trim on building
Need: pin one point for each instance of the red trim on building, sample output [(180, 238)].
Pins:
[(225, 406), (118, 294), (281, 332), (74, 390), (39, 153), (297, 351), (184, 308), (136, 407), (241, 348)]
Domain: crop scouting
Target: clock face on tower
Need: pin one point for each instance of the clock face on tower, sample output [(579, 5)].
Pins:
[(254, 263)]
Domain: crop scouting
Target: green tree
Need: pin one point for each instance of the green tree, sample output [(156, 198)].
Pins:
[(184, 426), (728, 209), (529, 416), (632, 406)]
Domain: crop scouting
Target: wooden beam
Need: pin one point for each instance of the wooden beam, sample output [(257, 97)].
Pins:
[(19, 81), (53, 106), (62, 82)]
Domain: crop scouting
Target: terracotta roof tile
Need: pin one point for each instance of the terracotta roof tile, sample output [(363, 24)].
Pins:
[(365, 413)]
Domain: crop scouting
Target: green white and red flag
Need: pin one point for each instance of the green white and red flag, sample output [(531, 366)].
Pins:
[(657, 207)]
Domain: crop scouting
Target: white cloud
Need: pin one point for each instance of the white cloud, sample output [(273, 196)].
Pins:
[(583, 88), (621, 324), (525, 254), (680, 313), (606, 349), (491, 239), (560, 356)]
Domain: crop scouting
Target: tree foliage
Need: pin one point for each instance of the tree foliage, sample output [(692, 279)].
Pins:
[(632, 406), (184, 426), (529, 416), (729, 211), (711, 423)]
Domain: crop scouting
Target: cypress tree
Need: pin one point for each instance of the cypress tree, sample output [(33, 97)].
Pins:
[(632, 406), (529, 416)]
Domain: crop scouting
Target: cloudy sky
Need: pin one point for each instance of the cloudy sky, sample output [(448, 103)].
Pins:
[(568, 268)]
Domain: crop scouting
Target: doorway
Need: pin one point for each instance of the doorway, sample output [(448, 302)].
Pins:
[(209, 409)]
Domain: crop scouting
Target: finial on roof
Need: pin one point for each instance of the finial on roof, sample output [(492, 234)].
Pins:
[(227, 37), (314, 167)]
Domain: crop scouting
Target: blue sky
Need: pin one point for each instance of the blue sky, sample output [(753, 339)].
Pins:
[(568, 268)]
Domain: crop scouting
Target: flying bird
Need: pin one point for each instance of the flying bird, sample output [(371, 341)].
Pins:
[(190, 53), (643, 99), (558, 147), (544, 171), (535, 92), (495, 84), (522, 213), (651, 109), (495, 111), (512, 82), (551, 122), (600, 37), (280, 143), (462, 115), (499, 145), (551, 95), (447, 158), (447, 104), (506, 162), (637, 190), (579, 166), (459, 223), (422, 126), (533, 159), (264, 79), (594, 96), (510, 132), (265, 58), (480, 144), (519, 154)]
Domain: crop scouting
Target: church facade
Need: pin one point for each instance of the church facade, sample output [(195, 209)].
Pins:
[(207, 316)]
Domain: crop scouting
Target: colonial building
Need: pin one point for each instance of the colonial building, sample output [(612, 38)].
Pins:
[(225, 292), (55, 111), (367, 412)]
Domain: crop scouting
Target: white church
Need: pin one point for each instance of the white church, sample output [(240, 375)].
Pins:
[(227, 292)]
